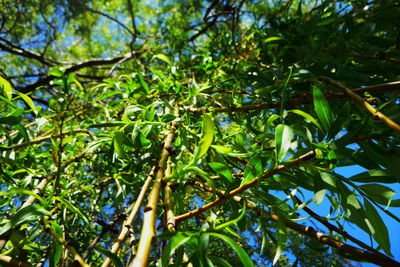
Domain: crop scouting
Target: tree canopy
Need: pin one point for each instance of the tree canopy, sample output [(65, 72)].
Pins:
[(198, 133)]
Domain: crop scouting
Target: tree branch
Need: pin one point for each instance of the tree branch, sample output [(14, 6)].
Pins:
[(377, 114), (12, 49), (108, 17), (5, 259), (373, 256), (90, 63), (127, 224), (148, 229), (301, 99), (244, 187)]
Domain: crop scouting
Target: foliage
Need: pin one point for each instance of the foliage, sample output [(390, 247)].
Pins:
[(231, 117)]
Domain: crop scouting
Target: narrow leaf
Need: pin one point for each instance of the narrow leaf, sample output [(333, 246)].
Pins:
[(283, 138), (27, 99), (322, 109), (229, 223), (306, 116), (73, 209), (221, 169), (207, 136), (23, 215), (118, 144), (377, 227), (238, 249), (7, 88), (178, 240), (114, 258), (282, 236)]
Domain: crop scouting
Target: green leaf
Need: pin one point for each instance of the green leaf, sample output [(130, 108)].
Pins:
[(375, 176), (322, 109), (118, 144), (56, 248), (282, 236), (22, 191), (13, 118), (379, 193), (114, 258), (7, 88), (207, 136), (319, 197), (377, 227), (283, 138), (56, 72), (221, 169), (142, 82), (176, 241), (23, 215), (238, 249), (22, 130), (168, 118), (306, 116), (201, 173), (163, 58), (273, 38), (27, 100), (219, 261), (228, 151), (229, 223), (73, 209)]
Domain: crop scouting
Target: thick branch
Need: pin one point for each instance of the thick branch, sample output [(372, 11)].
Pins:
[(148, 229), (129, 221)]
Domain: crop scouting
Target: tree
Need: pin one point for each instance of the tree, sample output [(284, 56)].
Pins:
[(198, 132)]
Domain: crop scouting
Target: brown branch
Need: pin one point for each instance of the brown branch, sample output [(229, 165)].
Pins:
[(8, 261), (244, 187), (45, 138), (89, 63), (301, 99), (322, 238), (128, 223), (373, 256), (13, 49), (377, 114), (203, 30), (333, 228), (148, 229)]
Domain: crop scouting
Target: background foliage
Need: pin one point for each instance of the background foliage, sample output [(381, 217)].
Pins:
[(231, 117)]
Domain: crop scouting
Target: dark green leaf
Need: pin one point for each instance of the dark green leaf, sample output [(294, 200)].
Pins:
[(322, 109)]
